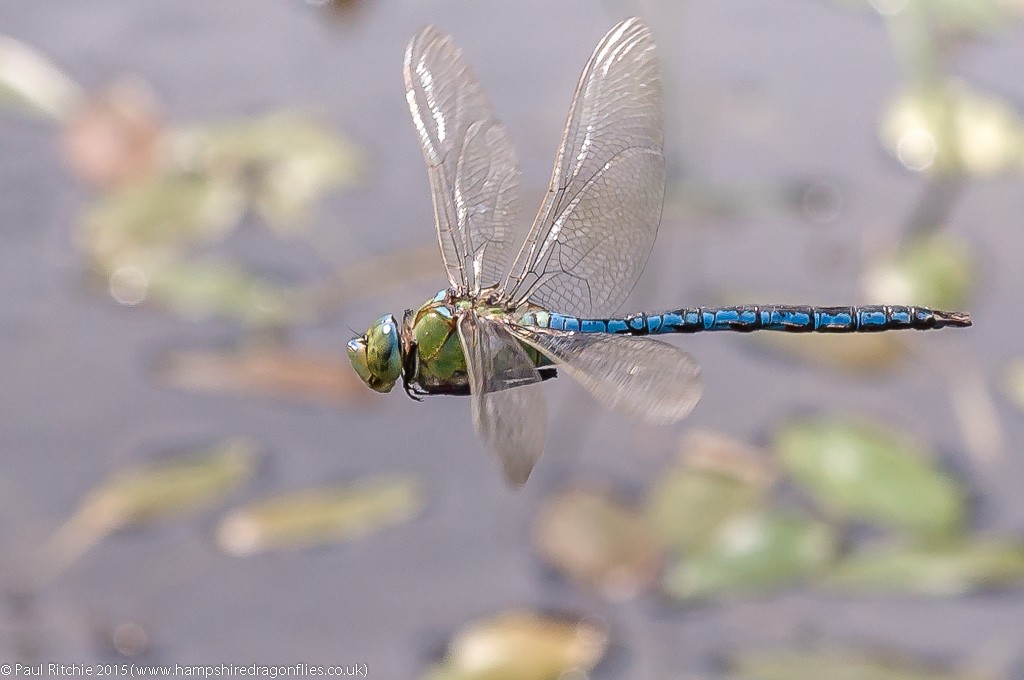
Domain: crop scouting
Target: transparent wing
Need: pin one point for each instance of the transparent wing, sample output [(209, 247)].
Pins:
[(640, 377), (508, 405), (474, 175), (597, 224)]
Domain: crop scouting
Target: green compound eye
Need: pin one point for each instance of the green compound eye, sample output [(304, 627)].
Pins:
[(376, 356)]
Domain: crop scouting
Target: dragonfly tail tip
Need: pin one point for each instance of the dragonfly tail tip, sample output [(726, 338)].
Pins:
[(956, 319)]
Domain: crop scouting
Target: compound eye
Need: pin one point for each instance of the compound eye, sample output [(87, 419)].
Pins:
[(383, 353), (357, 345), (387, 326), (357, 354)]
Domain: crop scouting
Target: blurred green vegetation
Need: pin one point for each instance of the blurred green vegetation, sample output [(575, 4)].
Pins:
[(722, 534), (522, 645), (840, 664), (320, 516), (145, 494)]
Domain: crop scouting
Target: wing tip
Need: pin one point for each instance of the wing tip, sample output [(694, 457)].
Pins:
[(420, 42), (634, 21), (634, 26), (516, 476), (428, 31)]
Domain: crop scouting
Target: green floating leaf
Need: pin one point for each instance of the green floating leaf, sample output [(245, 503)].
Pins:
[(149, 493), (753, 552), (862, 471), (937, 271), (944, 17), (952, 130), (320, 516), (277, 372), (284, 161), (598, 542), (31, 83), (155, 219), (522, 645), (965, 16), (715, 479), (940, 572), (172, 486), (837, 665), (200, 290)]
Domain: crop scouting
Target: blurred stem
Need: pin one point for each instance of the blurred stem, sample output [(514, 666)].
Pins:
[(74, 538), (972, 401), (915, 40), (368, 276), (21, 605), (31, 81), (937, 201)]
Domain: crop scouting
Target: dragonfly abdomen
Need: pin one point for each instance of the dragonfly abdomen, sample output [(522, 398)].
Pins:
[(748, 318)]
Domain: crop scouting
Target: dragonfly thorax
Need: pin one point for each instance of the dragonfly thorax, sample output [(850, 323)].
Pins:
[(425, 350)]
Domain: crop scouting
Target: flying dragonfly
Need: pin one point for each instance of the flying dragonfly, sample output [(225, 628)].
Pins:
[(510, 321)]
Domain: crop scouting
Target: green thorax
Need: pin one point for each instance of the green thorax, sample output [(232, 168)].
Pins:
[(435, 362)]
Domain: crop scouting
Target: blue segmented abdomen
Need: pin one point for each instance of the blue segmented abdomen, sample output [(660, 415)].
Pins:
[(748, 318)]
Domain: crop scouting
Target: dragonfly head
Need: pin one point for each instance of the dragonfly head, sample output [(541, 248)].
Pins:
[(376, 355)]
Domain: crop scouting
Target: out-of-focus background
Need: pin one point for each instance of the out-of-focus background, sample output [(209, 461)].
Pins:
[(199, 202)]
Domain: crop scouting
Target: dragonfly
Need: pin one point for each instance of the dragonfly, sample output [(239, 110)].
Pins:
[(512, 319)]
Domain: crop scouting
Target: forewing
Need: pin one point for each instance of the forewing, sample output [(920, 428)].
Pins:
[(597, 223), (640, 377), (507, 401), (474, 174)]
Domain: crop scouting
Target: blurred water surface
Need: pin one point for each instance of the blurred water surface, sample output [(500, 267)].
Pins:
[(765, 97)]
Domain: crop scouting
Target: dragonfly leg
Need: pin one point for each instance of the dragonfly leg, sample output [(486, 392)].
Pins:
[(411, 390)]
